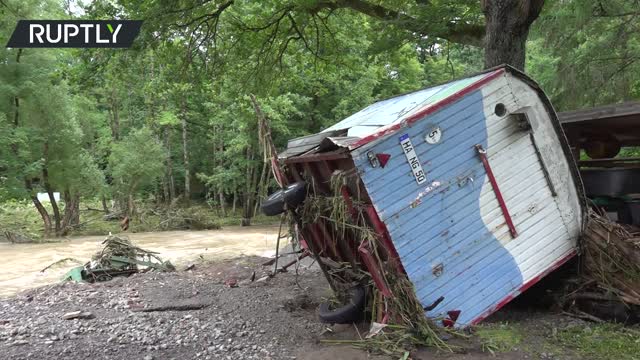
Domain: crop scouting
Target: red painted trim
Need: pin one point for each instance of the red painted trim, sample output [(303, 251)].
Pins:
[(327, 240), (382, 230), (302, 256), (303, 242), (454, 315), (429, 109), (385, 318), (448, 323), (281, 179), (496, 189), (347, 199), (524, 287), (373, 268)]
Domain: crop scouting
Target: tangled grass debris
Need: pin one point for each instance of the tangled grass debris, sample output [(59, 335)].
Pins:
[(407, 326), (119, 247), (118, 257)]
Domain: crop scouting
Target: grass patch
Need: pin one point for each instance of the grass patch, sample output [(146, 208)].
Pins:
[(495, 338), (22, 217), (601, 341)]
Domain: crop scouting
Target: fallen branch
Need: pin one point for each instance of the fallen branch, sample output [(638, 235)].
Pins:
[(583, 315), (179, 307), (60, 262)]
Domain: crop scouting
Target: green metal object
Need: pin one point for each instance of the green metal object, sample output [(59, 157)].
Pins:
[(113, 266), (74, 274)]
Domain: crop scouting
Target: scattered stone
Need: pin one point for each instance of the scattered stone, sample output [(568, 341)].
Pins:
[(190, 267), (231, 283), (78, 315), (226, 328)]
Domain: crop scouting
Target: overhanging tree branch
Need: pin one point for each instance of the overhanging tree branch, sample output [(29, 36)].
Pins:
[(458, 32)]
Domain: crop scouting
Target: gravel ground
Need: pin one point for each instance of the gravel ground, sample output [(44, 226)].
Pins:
[(156, 316), (196, 315)]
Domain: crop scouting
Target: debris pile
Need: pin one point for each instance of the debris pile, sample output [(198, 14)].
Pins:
[(186, 219), (118, 257), (612, 258), (398, 321), (610, 271)]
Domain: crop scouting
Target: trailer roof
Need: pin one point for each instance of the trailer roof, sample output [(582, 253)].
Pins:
[(397, 109), (387, 115)]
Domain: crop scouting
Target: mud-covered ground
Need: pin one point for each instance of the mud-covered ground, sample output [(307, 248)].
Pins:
[(194, 315)]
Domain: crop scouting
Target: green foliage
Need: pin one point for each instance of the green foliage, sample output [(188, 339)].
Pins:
[(601, 341), (136, 161), (119, 123), (586, 53)]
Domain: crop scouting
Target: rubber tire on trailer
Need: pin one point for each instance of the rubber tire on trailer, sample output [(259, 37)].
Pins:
[(346, 314), (293, 195)]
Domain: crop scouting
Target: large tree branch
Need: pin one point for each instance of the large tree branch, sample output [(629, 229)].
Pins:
[(213, 15), (463, 33)]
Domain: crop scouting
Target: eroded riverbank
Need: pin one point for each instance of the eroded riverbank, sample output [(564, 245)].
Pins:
[(21, 263)]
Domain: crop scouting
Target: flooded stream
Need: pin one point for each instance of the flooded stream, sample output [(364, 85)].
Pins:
[(20, 264)]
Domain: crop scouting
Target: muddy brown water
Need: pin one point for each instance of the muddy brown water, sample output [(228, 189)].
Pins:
[(21, 264)]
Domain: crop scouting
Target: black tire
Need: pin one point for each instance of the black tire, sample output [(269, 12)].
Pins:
[(102, 277), (293, 195), (274, 204), (347, 314)]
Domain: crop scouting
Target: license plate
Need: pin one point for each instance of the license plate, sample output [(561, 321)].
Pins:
[(412, 158)]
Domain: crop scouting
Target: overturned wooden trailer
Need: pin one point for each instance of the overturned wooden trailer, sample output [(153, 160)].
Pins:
[(470, 186)]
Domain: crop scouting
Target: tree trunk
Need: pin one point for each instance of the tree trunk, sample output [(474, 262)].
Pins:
[(250, 190), (46, 220), (185, 151), (262, 185), (507, 28), (16, 100), (221, 197), (56, 210), (71, 216), (44, 214), (47, 187), (115, 115), (130, 206), (170, 183), (235, 201), (105, 208)]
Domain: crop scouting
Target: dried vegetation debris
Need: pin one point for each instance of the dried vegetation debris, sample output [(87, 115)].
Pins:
[(612, 258), (607, 286), (118, 257), (406, 326)]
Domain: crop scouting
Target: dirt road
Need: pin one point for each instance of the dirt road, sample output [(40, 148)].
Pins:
[(21, 263)]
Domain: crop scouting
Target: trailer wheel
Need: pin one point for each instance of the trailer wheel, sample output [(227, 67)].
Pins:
[(103, 277), (293, 195), (345, 314)]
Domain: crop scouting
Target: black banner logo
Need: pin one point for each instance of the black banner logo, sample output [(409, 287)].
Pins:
[(74, 34)]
